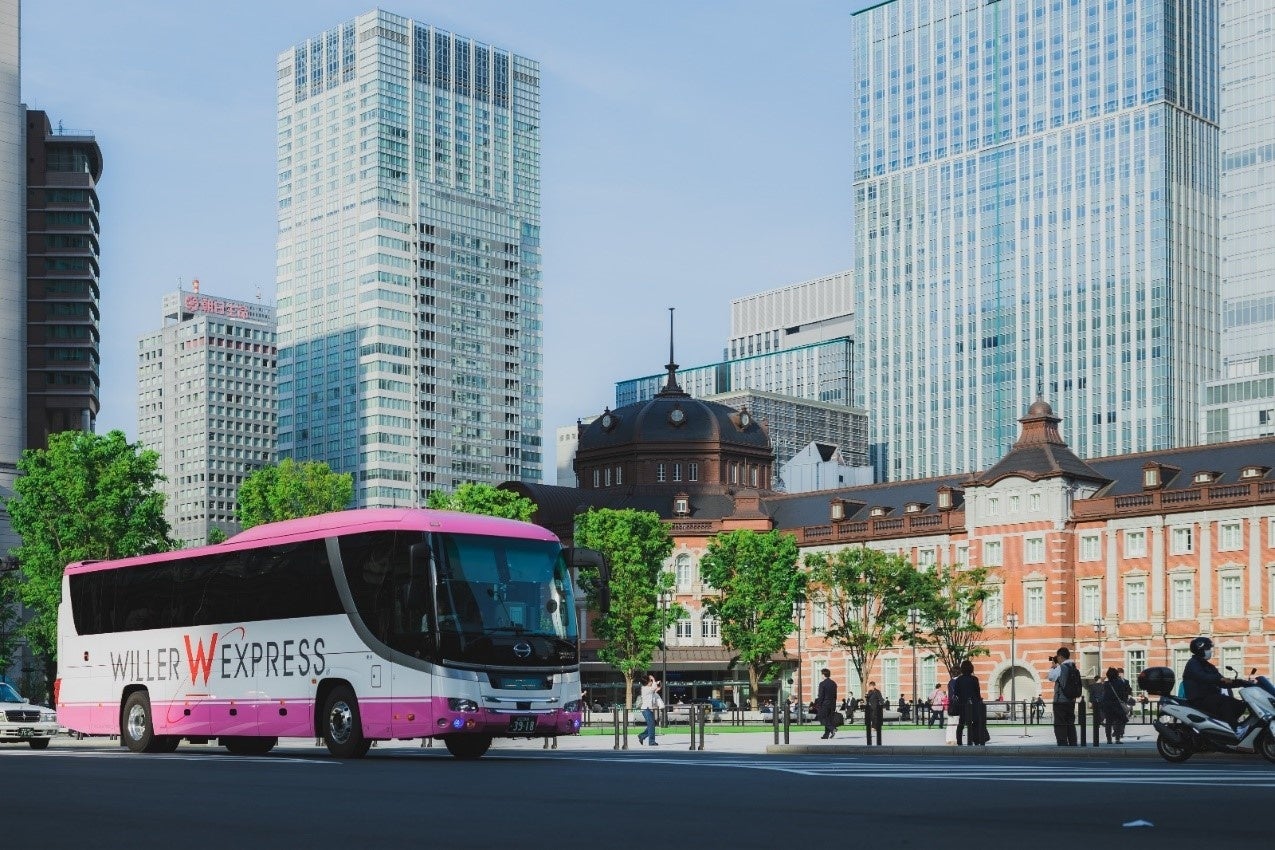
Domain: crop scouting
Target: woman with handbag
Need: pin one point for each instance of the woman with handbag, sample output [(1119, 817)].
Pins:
[(1113, 702), (966, 692)]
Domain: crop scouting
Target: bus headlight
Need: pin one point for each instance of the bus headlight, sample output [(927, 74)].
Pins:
[(455, 704)]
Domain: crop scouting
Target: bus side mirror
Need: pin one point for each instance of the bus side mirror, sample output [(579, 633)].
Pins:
[(578, 558)]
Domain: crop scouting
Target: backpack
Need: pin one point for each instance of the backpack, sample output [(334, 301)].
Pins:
[(1072, 687)]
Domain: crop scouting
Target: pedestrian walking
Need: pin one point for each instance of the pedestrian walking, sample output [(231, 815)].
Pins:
[(875, 708), (650, 702), (968, 695), (826, 704), (938, 707), (1061, 670), (1113, 702), (953, 712)]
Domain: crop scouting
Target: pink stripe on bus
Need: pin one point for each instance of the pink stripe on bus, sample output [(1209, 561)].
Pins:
[(340, 522)]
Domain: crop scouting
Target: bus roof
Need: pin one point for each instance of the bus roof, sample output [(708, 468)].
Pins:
[(340, 522)]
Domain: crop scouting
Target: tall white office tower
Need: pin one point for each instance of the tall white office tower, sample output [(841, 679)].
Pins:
[(1036, 195), (13, 285), (409, 259), (206, 403), (1242, 403)]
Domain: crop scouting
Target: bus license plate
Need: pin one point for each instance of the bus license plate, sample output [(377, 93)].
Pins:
[(522, 725)]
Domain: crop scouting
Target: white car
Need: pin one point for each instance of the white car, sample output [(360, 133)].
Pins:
[(22, 721)]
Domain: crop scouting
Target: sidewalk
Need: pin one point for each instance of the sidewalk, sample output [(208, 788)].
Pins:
[(1005, 741)]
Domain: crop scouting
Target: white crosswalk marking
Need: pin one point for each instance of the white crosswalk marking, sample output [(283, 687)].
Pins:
[(1147, 772)]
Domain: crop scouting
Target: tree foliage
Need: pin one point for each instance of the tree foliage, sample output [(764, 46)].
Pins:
[(868, 594), (484, 499), (8, 615), (290, 490), (87, 496), (757, 581), (951, 608), (635, 544), (216, 535)]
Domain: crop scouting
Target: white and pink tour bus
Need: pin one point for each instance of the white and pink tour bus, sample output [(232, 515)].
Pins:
[(352, 627)]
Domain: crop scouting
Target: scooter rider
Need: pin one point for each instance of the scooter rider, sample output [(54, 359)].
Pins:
[(1204, 684)]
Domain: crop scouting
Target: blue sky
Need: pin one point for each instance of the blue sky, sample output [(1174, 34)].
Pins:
[(693, 152)]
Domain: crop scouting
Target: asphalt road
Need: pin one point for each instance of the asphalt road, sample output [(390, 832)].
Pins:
[(100, 796)]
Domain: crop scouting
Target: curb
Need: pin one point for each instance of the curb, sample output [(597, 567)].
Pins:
[(1053, 752)]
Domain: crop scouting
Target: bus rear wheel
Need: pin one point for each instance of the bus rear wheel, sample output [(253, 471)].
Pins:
[(342, 725), (467, 747), (245, 746)]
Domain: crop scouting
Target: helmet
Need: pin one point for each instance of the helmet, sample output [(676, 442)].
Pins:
[(1201, 645)]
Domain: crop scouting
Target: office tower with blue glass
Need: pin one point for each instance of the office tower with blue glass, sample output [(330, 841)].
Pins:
[(1241, 403), (409, 291), (1036, 195)]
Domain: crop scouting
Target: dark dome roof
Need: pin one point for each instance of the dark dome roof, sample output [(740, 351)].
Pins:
[(674, 418), (1040, 408)]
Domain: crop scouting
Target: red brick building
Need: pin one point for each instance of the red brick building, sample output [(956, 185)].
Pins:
[(1123, 559)]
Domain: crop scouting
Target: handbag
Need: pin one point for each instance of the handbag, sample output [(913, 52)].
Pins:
[(838, 719)]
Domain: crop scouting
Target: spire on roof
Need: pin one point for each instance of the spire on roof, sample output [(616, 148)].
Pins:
[(671, 387)]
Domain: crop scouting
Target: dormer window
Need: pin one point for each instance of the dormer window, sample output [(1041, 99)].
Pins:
[(878, 511), (837, 510), (1150, 477), (948, 497), (681, 505), (1207, 476), (914, 507), (1251, 472)]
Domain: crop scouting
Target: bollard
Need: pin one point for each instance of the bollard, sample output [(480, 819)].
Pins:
[(1080, 717), (1097, 724), (615, 725), (691, 721), (787, 721), (703, 720), (774, 720)]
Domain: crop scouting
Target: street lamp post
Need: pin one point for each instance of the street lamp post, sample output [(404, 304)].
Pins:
[(1011, 620), (799, 608), (665, 599), (914, 622), (1100, 629)]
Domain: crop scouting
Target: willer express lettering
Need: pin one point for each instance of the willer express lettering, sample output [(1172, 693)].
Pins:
[(244, 659)]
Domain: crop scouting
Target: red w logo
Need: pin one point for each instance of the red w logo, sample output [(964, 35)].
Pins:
[(196, 659)]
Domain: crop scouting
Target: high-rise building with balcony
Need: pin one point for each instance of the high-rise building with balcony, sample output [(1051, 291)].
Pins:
[(13, 256), (1241, 404), (206, 403), (409, 291), (1036, 197), (63, 295)]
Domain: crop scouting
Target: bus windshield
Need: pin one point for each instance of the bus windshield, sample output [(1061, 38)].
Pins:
[(499, 600), (505, 601)]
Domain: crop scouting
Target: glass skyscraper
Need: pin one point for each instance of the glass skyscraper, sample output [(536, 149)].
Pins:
[(409, 300), (1036, 192)]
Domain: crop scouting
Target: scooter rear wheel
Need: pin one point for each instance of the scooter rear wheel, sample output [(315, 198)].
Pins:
[(1171, 752), (1266, 746)]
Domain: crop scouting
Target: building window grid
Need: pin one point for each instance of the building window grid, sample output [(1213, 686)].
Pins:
[(1034, 604), (1183, 598)]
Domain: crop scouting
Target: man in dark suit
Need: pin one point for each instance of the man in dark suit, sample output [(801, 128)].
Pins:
[(826, 704)]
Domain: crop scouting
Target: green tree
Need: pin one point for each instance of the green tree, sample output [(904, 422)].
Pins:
[(8, 613), (290, 490), (484, 499), (953, 600), (87, 496), (757, 581), (868, 594), (216, 535), (635, 544)]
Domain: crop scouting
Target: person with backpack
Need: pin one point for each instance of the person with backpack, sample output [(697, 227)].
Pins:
[(1065, 675)]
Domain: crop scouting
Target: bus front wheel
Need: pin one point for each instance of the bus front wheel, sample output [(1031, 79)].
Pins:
[(137, 727), (467, 746), (342, 726)]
